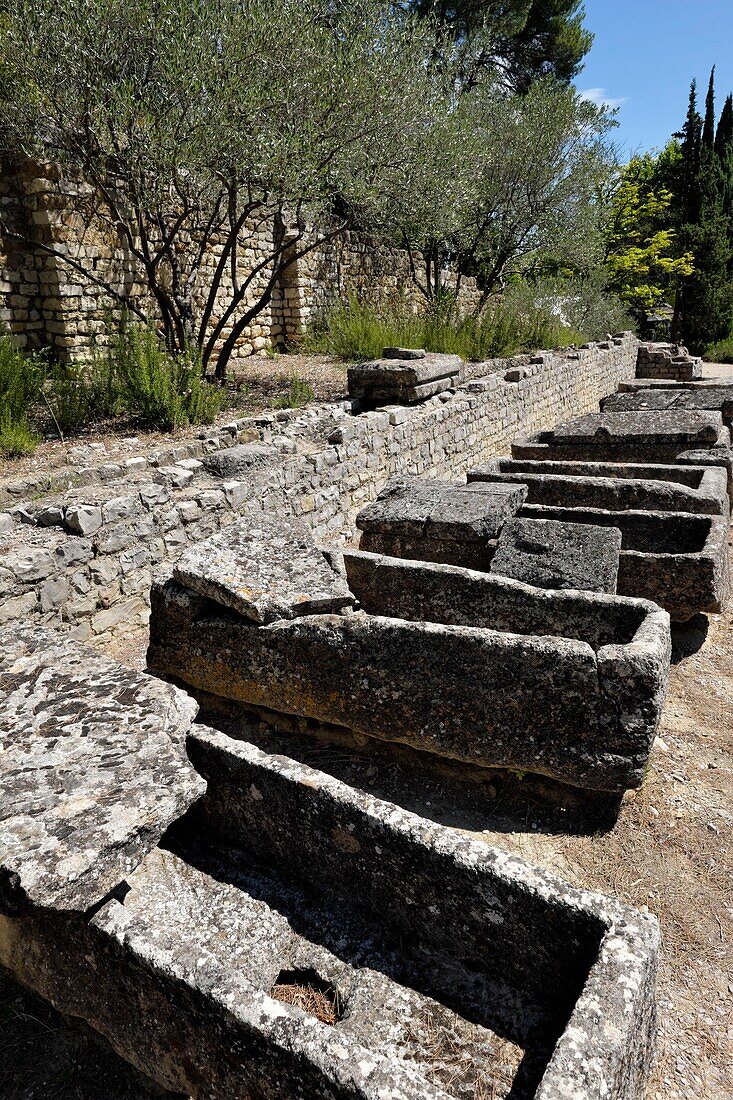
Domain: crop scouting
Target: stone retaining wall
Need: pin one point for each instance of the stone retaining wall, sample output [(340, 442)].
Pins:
[(79, 548)]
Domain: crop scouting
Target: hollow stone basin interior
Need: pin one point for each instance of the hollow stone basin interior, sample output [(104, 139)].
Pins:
[(427, 592), (689, 476), (427, 957)]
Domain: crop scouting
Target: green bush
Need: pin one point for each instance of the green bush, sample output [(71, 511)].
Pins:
[(160, 390), (722, 352), (299, 394), (21, 379), (16, 438)]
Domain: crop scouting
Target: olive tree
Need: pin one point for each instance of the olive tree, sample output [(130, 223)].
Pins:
[(197, 125), (526, 196)]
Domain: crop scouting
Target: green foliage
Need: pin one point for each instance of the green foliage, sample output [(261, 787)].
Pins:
[(160, 390), (553, 313), (721, 352), (21, 378), (300, 393), (135, 376), (187, 123), (522, 198), (16, 438), (516, 39), (643, 256)]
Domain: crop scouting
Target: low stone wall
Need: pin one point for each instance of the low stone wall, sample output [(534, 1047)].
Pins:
[(79, 548)]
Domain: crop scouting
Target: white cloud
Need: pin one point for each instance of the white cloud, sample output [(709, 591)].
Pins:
[(599, 97)]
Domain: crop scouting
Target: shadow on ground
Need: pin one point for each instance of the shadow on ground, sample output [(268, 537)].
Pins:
[(45, 1056)]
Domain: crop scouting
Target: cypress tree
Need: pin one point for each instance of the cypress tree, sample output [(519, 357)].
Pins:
[(708, 130), (724, 133)]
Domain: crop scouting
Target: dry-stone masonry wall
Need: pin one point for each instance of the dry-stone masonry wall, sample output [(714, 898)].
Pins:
[(79, 548), (45, 301)]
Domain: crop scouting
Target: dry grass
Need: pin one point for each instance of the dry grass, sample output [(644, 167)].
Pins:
[(314, 997), (462, 1058)]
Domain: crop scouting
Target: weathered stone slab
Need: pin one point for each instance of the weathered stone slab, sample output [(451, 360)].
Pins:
[(612, 486), (266, 567), (93, 770), (644, 436), (435, 521), (236, 462), (702, 399), (448, 683), (678, 561), (555, 554), (366, 898), (403, 379)]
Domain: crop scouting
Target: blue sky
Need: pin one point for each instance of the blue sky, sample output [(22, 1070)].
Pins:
[(644, 56)]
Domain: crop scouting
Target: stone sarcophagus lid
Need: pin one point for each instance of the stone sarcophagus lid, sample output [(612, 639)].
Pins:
[(403, 376), (431, 520), (467, 665), (662, 397), (641, 436)]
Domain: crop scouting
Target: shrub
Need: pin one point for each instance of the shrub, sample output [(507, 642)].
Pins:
[(16, 438), (21, 378), (299, 394), (160, 390), (722, 352), (351, 330)]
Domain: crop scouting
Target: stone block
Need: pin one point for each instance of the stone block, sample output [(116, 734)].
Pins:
[(83, 519), (678, 561), (436, 521), (556, 554), (403, 380), (93, 770), (235, 463)]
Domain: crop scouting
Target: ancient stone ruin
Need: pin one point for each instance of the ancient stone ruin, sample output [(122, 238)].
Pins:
[(238, 923)]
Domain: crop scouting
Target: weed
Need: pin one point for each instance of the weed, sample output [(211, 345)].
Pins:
[(300, 393)]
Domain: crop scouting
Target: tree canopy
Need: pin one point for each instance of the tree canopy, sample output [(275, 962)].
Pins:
[(200, 126), (518, 41)]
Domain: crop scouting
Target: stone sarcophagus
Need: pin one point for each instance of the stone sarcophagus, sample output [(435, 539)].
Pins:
[(613, 486), (466, 665), (293, 937), (639, 436)]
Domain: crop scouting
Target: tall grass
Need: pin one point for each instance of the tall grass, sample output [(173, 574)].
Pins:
[(135, 377), (353, 330), (529, 316), (722, 352), (21, 378)]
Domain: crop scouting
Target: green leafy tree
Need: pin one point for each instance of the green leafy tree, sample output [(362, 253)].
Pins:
[(517, 41), (524, 198), (203, 130), (643, 255)]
